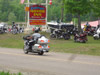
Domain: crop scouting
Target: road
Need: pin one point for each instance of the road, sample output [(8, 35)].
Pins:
[(14, 60)]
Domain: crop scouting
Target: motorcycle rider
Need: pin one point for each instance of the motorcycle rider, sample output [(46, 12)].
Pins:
[(34, 36), (13, 25)]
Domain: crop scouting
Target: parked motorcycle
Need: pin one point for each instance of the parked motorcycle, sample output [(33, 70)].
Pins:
[(59, 34), (89, 30), (3, 29), (82, 37), (39, 46), (96, 36), (14, 31)]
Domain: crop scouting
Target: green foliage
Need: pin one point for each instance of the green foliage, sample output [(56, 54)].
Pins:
[(55, 10), (78, 7), (96, 7), (11, 17), (11, 6), (75, 21), (7, 73), (54, 13)]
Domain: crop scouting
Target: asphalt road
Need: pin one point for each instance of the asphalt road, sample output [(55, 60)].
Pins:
[(14, 60)]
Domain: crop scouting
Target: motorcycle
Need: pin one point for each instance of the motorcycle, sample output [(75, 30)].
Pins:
[(80, 37), (39, 46), (14, 30), (89, 30), (60, 34), (3, 29), (96, 36)]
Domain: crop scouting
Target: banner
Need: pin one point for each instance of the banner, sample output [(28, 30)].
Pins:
[(22, 1), (37, 12), (50, 2), (37, 15), (37, 22)]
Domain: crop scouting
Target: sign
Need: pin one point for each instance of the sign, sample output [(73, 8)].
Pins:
[(26, 8), (37, 12), (37, 22)]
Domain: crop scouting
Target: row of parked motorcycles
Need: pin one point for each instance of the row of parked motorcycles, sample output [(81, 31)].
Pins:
[(16, 30), (11, 30), (78, 37)]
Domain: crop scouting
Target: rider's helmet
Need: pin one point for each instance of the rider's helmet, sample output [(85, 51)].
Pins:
[(36, 31), (13, 23)]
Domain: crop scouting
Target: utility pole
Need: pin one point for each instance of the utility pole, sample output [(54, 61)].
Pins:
[(46, 12), (28, 15)]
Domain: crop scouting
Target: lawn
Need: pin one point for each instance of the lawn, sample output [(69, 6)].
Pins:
[(92, 47)]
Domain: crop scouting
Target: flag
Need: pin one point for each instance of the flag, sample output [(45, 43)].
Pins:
[(50, 2), (22, 1)]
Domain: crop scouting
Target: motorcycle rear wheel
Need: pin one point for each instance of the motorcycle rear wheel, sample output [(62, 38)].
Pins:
[(25, 50)]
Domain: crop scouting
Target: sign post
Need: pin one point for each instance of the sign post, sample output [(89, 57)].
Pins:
[(46, 10), (28, 15), (37, 14)]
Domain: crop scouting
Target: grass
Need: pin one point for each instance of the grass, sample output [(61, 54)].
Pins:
[(11, 41), (78, 48), (7, 73), (92, 47)]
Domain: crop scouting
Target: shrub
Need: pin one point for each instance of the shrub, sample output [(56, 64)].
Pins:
[(8, 73)]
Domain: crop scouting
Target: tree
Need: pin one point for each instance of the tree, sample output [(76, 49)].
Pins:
[(11, 17), (96, 9), (54, 11), (4, 11), (9, 6), (62, 10), (78, 7)]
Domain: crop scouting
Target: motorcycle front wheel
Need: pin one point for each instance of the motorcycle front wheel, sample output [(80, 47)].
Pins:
[(52, 36), (95, 38), (41, 53), (84, 41), (67, 37)]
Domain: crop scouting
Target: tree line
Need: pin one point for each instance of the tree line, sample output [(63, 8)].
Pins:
[(80, 8), (66, 10)]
